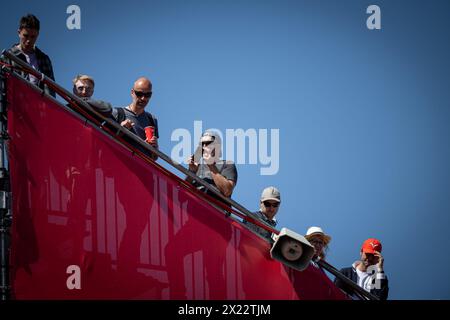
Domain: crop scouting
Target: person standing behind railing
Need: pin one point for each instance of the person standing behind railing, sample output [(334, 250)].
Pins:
[(368, 273), (317, 237), (27, 51), (83, 87), (135, 118), (208, 166), (269, 204)]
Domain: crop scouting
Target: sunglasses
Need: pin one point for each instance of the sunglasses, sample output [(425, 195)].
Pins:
[(141, 94), (207, 143), (268, 204)]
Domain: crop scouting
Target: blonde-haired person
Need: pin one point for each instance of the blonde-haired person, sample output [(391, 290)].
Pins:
[(83, 86)]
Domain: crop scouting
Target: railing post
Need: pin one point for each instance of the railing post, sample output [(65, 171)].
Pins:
[(5, 212)]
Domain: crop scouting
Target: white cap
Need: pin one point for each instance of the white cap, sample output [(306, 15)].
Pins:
[(271, 193), (319, 232)]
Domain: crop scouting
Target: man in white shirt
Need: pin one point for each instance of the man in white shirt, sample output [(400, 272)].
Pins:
[(368, 273)]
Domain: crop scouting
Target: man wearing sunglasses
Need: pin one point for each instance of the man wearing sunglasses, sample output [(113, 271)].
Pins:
[(269, 204), (134, 117), (208, 166)]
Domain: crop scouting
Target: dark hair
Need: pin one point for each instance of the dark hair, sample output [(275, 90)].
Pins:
[(30, 22)]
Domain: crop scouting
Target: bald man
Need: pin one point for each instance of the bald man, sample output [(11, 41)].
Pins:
[(134, 117)]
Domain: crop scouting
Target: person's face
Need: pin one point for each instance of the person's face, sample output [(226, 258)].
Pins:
[(368, 259), (270, 208), (318, 245), (141, 94), (83, 89), (210, 145), (28, 39)]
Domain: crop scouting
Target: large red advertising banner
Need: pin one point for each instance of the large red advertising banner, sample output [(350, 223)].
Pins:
[(93, 221)]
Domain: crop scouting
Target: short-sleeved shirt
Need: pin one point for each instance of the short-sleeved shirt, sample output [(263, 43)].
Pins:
[(141, 121), (225, 168)]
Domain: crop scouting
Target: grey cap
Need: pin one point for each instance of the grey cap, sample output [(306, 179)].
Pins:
[(271, 193)]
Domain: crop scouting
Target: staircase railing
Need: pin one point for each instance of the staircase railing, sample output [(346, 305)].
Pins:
[(124, 136)]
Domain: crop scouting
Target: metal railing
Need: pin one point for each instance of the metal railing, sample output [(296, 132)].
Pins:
[(360, 292), (5, 207), (123, 132), (124, 136)]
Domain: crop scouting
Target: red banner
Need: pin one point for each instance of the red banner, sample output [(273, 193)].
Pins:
[(90, 220)]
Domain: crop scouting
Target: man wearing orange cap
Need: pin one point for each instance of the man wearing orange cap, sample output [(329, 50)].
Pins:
[(368, 273)]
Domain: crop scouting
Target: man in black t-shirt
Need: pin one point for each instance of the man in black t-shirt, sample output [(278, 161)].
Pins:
[(135, 118)]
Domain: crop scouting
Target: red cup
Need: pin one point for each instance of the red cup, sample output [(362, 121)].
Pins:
[(149, 132)]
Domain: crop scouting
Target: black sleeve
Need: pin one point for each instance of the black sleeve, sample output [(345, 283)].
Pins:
[(118, 114), (383, 292), (154, 123), (101, 106), (48, 71), (50, 74), (156, 127)]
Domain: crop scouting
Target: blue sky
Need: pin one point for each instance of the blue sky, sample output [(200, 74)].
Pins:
[(363, 115)]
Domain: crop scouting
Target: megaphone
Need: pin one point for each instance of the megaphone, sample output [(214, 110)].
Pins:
[(292, 249)]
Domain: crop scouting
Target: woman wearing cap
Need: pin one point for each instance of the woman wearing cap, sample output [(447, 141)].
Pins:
[(319, 240)]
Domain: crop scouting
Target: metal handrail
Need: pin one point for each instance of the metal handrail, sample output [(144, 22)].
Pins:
[(116, 130), (125, 132), (357, 289), (5, 208)]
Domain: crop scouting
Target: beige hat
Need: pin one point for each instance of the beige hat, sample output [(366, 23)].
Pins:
[(317, 231), (271, 193)]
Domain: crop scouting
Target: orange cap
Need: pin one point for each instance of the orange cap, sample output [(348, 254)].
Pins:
[(371, 245)]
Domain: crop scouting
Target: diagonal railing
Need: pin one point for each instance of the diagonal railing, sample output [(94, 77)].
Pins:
[(124, 136), (120, 132)]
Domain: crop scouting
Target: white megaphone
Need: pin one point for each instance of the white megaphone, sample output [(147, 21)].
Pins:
[(292, 249)]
